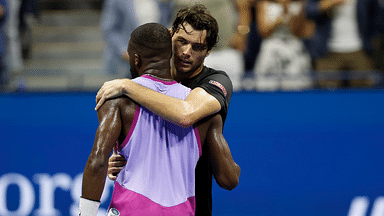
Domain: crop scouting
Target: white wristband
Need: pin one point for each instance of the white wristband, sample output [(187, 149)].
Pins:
[(88, 207)]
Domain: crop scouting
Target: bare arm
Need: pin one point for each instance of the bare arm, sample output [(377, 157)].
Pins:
[(95, 171), (239, 39), (325, 5), (184, 113), (225, 171), (299, 25), (265, 27)]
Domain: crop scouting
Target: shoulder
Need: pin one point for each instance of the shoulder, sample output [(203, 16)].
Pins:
[(218, 78), (115, 104), (210, 73)]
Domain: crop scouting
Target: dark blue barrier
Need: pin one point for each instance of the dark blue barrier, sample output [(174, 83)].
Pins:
[(309, 153)]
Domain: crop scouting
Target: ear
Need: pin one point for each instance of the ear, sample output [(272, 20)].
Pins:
[(170, 31), (137, 61)]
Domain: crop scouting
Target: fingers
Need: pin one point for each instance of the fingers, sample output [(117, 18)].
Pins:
[(99, 103), (115, 164), (114, 150), (112, 172), (116, 161)]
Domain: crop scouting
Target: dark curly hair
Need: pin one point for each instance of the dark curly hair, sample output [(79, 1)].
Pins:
[(200, 19), (152, 36)]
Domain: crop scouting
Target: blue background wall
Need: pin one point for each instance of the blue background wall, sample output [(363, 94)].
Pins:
[(308, 153)]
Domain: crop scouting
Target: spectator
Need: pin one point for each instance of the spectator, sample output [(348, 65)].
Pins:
[(379, 48), (342, 41), (283, 61), (3, 12), (27, 7), (119, 19), (247, 39), (12, 37)]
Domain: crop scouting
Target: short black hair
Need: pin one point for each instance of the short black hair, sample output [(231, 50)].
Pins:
[(153, 36), (200, 19)]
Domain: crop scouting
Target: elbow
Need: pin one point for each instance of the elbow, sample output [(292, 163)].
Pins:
[(185, 121), (229, 181), (264, 33)]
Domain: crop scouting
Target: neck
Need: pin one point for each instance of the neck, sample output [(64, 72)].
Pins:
[(180, 76)]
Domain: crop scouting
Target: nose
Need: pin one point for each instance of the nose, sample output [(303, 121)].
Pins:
[(187, 50)]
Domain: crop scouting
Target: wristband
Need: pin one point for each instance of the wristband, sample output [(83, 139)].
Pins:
[(88, 207)]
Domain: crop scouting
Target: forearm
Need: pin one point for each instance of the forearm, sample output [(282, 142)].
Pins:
[(181, 112), (266, 27), (325, 5), (94, 176), (228, 171), (225, 170), (244, 12)]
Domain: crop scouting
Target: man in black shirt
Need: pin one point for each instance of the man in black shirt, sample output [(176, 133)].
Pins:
[(194, 34)]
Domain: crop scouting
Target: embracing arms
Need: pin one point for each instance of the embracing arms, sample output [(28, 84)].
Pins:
[(184, 113), (225, 170)]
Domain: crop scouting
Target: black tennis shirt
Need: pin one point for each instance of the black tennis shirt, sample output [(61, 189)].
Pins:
[(218, 84)]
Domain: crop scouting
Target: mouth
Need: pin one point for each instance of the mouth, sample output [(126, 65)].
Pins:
[(184, 62)]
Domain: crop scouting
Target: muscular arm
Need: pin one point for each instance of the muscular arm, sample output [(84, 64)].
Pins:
[(95, 171), (225, 171), (184, 113)]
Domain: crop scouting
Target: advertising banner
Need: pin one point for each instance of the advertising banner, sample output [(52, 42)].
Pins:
[(315, 153)]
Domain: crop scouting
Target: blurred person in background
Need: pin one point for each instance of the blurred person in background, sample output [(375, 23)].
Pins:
[(247, 40), (342, 41), (283, 62), (379, 48), (13, 55), (119, 18), (28, 7), (3, 13)]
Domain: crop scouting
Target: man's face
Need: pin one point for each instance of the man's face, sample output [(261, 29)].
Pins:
[(189, 52)]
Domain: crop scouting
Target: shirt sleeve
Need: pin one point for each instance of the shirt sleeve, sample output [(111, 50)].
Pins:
[(219, 85)]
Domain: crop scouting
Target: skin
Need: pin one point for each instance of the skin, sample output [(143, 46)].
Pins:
[(298, 24), (325, 5), (115, 119), (187, 62), (239, 41)]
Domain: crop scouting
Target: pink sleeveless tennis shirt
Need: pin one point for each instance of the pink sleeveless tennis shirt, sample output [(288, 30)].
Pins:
[(159, 177)]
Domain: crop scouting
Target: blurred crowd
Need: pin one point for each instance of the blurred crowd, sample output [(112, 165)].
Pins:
[(265, 45), (15, 35)]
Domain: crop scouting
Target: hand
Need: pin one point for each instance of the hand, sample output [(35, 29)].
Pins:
[(115, 164), (110, 89)]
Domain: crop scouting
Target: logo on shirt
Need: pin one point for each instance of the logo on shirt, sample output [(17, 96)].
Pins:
[(213, 82)]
